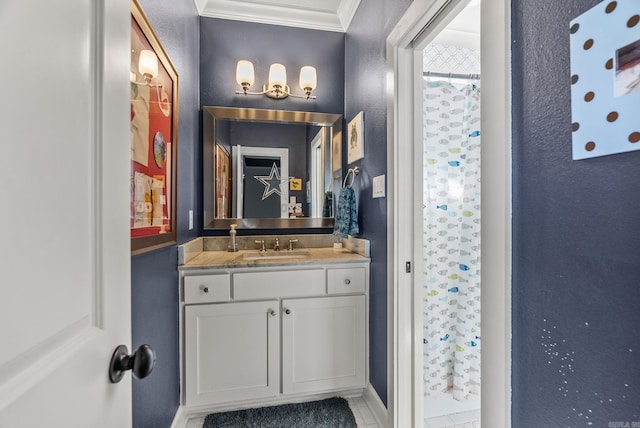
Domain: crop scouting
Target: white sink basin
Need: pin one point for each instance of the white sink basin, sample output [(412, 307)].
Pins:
[(283, 254)]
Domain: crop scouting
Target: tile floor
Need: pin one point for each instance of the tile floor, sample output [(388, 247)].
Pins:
[(364, 417), (456, 420), (362, 413)]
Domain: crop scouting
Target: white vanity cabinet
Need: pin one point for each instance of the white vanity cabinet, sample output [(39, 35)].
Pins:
[(323, 343), (231, 351), (273, 333)]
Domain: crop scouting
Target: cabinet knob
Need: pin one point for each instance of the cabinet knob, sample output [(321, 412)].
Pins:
[(272, 312), (347, 281), (287, 311), (205, 289)]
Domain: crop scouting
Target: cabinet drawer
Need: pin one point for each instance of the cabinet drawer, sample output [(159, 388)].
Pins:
[(207, 288), (350, 280), (260, 285)]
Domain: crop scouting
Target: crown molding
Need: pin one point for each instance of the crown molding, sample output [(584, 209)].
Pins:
[(337, 21), (347, 11)]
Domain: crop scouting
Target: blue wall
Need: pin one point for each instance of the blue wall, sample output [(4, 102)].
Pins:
[(278, 135), (154, 277), (576, 245), (225, 42), (365, 90)]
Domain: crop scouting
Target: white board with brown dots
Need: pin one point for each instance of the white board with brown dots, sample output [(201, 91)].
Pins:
[(605, 79)]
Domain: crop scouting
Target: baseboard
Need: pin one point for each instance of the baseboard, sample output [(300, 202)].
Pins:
[(376, 406), (180, 419)]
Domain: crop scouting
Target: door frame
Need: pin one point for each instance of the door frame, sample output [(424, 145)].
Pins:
[(317, 173), (238, 154), (404, 155)]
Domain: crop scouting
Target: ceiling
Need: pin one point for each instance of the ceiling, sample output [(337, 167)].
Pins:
[(328, 15), (464, 29)]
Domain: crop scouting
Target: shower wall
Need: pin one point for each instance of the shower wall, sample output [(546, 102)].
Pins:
[(447, 58)]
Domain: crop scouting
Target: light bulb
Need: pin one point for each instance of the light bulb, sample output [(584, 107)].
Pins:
[(244, 73), (308, 77), (148, 64), (277, 75)]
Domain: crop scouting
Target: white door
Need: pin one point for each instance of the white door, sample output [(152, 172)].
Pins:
[(64, 187)]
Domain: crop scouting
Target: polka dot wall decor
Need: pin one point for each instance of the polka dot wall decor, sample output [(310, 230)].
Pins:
[(605, 79)]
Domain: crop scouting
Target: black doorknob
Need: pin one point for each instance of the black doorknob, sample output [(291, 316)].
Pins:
[(140, 363)]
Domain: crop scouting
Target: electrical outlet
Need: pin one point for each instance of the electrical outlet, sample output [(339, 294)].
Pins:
[(190, 219), (378, 186)]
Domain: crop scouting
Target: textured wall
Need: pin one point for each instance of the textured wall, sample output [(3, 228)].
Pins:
[(365, 86), (289, 136), (154, 277), (576, 245), (225, 42)]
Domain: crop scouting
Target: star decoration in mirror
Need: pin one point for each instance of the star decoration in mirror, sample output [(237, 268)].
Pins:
[(272, 182)]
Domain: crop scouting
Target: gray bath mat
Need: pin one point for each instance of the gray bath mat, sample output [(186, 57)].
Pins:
[(330, 413)]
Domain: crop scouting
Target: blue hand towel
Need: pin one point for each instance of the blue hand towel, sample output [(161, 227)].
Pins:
[(346, 222)]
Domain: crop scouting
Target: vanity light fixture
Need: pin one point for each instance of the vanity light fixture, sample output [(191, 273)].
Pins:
[(276, 87), (147, 66)]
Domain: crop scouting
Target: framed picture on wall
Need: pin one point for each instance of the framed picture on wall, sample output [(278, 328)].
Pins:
[(355, 138), (154, 135), (605, 80)]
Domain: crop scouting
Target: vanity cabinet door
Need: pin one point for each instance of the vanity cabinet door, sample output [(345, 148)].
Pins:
[(231, 352), (323, 344)]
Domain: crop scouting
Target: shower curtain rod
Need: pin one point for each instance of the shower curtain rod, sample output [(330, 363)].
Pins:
[(470, 76)]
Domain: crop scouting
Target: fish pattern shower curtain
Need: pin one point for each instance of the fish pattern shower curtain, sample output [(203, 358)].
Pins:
[(451, 233)]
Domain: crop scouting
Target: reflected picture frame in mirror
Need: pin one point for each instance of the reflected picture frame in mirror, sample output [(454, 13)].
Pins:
[(322, 153)]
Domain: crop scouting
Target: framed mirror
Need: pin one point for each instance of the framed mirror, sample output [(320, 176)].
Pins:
[(270, 169)]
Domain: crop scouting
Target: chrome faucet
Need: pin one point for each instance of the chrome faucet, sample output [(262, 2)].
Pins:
[(291, 242), (276, 246), (262, 247)]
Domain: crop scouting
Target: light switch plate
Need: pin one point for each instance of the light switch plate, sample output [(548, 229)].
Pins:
[(379, 186), (190, 219)]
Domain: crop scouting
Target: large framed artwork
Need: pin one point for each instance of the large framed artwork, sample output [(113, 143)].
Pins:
[(154, 132)]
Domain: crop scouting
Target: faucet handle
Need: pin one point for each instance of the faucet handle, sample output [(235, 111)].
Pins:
[(261, 242), (291, 242)]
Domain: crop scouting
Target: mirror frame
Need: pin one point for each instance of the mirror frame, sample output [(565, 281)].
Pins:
[(213, 113)]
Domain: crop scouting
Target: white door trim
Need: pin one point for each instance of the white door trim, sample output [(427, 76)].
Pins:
[(239, 153), (404, 291)]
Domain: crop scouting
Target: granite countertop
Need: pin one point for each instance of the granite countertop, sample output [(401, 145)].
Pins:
[(211, 253), (225, 259)]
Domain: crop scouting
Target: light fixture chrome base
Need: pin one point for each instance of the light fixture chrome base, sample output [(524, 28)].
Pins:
[(277, 92)]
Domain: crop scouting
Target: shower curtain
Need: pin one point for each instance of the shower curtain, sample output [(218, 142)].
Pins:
[(451, 235)]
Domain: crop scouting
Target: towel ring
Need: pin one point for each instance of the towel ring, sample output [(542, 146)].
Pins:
[(353, 172)]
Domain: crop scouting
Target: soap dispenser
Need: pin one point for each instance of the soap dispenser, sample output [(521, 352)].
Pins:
[(233, 247)]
